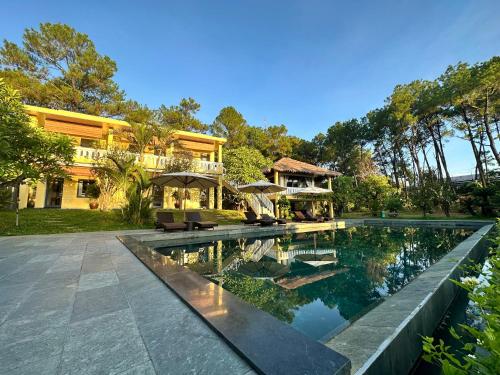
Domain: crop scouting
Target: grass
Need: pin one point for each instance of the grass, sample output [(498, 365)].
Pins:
[(47, 221), (416, 215)]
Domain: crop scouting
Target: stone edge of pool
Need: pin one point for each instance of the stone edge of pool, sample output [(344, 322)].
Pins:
[(368, 347), (267, 344), (388, 338)]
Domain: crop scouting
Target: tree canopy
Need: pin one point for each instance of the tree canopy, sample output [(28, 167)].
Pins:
[(245, 165), (27, 152), (59, 67)]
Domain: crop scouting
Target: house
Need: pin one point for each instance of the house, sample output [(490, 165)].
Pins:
[(93, 136), (296, 175)]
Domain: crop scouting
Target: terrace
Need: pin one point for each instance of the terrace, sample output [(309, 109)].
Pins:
[(63, 296), (87, 155)]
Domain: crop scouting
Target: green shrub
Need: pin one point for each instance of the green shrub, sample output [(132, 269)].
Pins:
[(480, 353), (373, 192), (284, 206), (394, 203)]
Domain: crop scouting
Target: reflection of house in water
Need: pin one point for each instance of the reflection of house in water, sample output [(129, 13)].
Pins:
[(299, 263), (294, 282)]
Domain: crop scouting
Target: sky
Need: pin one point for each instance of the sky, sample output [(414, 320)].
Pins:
[(305, 64)]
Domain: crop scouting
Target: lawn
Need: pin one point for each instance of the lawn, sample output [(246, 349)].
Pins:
[(46, 221)]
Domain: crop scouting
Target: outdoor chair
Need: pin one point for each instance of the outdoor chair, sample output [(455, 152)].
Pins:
[(165, 221), (310, 217), (251, 218), (266, 220), (299, 216), (195, 217)]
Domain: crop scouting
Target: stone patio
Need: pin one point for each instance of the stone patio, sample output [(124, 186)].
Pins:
[(83, 304)]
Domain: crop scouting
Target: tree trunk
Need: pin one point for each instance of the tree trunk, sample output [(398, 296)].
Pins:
[(488, 131), (492, 143), (17, 188), (477, 155), (441, 153)]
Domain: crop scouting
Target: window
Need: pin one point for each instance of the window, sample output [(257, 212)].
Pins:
[(297, 182), (158, 196), (90, 143), (205, 157), (82, 187)]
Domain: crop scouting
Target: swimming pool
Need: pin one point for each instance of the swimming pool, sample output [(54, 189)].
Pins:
[(317, 282)]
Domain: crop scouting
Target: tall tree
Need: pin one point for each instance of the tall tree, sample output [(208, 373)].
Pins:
[(344, 148), (28, 151), (273, 141), (230, 124), (59, 67), (458, 83), (182, 116), (244, 165)]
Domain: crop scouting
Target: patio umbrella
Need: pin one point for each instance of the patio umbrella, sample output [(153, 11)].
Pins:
[(261, 187), (313, 190), (185, 180)]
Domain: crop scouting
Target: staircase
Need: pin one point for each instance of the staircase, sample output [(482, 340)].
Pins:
[(259, 203)]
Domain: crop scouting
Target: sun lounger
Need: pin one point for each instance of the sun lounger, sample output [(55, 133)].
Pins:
[(299, 216), (266, 220), (251, 218), (195, 217), (308, 214), (165, 221)]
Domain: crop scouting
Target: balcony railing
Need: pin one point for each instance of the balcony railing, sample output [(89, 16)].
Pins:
[(292, 190), (88, 155)]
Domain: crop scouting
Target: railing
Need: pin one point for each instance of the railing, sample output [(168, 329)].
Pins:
[(266, 203), (90, 155), (292, 190)]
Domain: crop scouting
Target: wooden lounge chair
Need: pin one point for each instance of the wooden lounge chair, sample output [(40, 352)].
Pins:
[(195, 217), (266, 220), (251, 218), (308, 214), (165, 221), (299, 216)]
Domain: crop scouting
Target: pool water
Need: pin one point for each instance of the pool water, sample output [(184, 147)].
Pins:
[(318, 282)]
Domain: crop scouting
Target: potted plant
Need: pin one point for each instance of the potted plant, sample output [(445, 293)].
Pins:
[(93, 192)]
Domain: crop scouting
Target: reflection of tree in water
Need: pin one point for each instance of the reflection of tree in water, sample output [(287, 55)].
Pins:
[(379, 262), (383, 260), (264, 295)]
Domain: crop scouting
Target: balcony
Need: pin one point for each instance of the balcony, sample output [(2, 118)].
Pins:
[(85, 155), (292, 190)]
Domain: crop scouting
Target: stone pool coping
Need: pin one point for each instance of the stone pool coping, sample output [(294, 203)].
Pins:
[(267, 344), (243, 327), (388, 338)]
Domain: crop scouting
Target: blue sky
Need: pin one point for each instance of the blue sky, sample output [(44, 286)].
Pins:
[(305, 64)]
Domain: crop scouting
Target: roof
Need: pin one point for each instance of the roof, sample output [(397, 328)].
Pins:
[(83, 118), (295, 166)]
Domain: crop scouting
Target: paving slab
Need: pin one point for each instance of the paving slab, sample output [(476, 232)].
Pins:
[(97, 280), (96, 302), (45, 366), (108, 344), (81, 303)]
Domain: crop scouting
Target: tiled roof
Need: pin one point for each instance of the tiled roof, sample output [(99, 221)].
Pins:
[(295, 166)]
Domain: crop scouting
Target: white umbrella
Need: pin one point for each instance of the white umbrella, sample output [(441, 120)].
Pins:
[(185, 180), (262, 187), (313, 190)]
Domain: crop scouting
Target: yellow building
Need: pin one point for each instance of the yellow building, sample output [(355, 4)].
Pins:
[(93, 137)]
